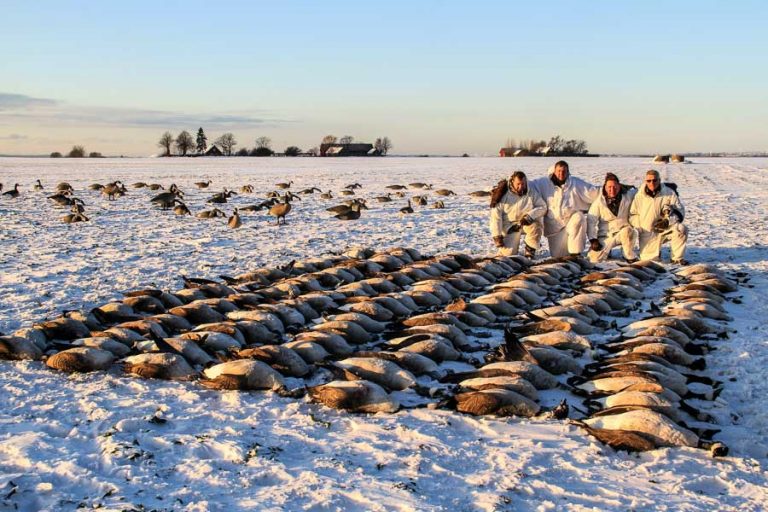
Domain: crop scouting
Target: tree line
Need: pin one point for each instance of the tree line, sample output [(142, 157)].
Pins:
[(77, 152), (558, 146), (184, 144)]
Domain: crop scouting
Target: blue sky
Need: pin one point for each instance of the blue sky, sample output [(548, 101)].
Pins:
[(434, 76)]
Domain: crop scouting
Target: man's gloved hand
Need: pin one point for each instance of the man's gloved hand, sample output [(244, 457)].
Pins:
[(661, 225), (526, 221), (595, 245), (498, 241), (672, 214), (514, 228)]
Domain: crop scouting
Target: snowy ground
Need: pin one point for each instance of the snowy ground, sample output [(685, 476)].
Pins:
[(68, 441)]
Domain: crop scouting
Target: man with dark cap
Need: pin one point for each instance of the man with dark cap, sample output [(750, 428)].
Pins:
[(516, 209), (658, 214), (608, 222)]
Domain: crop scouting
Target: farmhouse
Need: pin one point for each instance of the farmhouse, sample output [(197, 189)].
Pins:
[(214, 151), (356, 149)]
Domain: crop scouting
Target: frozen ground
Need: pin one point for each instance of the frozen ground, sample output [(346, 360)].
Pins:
[(91, 440)]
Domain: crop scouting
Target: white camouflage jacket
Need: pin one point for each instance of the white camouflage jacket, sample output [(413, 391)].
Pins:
[(512, 208), (646, 210), (562, 202), (601, 222)]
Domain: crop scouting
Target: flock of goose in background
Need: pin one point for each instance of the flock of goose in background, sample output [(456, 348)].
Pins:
[(277, 204), (371, 332)]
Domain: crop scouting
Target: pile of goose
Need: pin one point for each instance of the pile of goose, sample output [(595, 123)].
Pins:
[(367, 332)]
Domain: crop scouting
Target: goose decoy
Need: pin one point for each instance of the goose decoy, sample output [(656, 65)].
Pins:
[(156, 186), (326, 195), (210, 214), (64, 187), (353, 186), (14, 192), (421, 200), (280, 210), (396, 187), (202, 184), (352, 214), (95, 186), (310, 190), (407, 209), (445, 192), (234, 221), (480, 193), (181, 208), (38, 185), (114, 189), (139, 184), (74, 217), (221, 197), (284, 186), (246, 189), (438, 205), (165, 200), (384, 199), (347, 192), (425, 186)]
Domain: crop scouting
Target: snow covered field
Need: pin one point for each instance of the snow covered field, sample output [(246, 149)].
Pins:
[(93, 440)]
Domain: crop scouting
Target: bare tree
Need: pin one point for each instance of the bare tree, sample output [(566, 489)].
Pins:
[(165, 142), (347, 139), (511, 143), (556, 144), (77, 152), (386, 145), (264, 142), (227, 143), (184, 143), (314, 151), (330, 139), (292, 151)]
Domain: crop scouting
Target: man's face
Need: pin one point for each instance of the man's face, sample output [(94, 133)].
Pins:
[(518, 185), (652, 182), (612, 189), (561, 172)]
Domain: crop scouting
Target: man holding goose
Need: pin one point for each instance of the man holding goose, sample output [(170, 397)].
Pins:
[(516, 210)]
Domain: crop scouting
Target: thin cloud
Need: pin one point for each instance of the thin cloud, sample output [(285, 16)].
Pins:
[(21, 108), (13, 136)]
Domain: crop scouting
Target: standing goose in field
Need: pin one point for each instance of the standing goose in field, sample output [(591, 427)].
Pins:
[(180, 208), (284, 186), (14, 192), (407, 209), (202, 184), (234, 221), (38, 185), (111, 190), (280, 210)]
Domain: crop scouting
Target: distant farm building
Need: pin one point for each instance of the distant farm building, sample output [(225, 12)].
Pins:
[(542, 151), (661, 159), (214, 151), (356, 149), (678, 159)]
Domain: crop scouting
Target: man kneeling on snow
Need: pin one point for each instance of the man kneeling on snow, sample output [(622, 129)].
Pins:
[(516, 209), (658, 214), (608, 222)]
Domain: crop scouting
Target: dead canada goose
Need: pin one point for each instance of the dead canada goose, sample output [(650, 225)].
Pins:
[(14, 192), (181, 208), (284, 186), (202, 184), (18, 348), (243, 374), (234, 221), (38, 185), (81, 359), (210, 214), (445, 192), (163, 365), (407, 209), (354, 396), (280, 210)]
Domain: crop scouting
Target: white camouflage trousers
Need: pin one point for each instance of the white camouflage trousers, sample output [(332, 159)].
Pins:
[(571, 239), (626, 237), (651, 242), (512, 241)]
